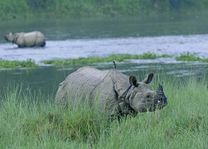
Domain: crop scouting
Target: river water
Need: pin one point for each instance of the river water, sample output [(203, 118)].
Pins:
[(74, 48), (46, 79), (84, 38), (173, 34)]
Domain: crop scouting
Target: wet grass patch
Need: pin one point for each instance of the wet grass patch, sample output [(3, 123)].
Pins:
[(191, 58), (110, 58), (182, 124), (17, 64), (92, 60)]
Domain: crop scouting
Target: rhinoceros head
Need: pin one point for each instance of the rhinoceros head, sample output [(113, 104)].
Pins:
[(142, 99), (9, 37)]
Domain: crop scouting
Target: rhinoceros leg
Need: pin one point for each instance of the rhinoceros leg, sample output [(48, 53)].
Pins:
[(43, 44), (21, 46)]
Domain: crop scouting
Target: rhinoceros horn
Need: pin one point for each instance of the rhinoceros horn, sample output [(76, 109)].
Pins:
[(160, 89), (161, 95)]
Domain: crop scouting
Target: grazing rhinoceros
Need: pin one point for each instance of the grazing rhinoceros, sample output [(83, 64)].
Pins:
[(116, 93), (30, 39)]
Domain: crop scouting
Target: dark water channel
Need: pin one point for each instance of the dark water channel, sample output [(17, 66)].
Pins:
[(45, 80)]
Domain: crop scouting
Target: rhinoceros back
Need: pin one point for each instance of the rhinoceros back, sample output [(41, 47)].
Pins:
[(80, 84), (30, 39)]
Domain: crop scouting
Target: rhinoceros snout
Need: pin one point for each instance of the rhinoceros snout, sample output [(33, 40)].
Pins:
[(161, 102)]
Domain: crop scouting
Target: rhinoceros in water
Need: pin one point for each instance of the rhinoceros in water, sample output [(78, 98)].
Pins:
[(116, 93), (30, 39)]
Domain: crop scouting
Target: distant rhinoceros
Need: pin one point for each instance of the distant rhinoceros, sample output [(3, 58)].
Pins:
[(30, 39), (116, 93)]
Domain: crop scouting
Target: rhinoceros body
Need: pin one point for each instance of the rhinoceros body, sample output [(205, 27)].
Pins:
[(114, 92), (30, 39)]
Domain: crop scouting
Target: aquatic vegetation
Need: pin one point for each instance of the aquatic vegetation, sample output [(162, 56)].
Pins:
[(191, 57), (110, 58), (120, 58), (92, 60), (17, 64), (182, 124)]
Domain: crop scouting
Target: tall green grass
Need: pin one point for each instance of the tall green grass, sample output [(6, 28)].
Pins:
[(26, 123)]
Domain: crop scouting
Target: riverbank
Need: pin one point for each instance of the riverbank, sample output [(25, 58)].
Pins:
[(187, 57)]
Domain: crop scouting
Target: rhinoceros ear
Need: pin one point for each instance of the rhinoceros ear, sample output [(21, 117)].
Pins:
[(149, 78), (133, 81)]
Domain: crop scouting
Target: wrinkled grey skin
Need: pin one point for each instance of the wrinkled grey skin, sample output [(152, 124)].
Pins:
[(115, 93), (31, 39)]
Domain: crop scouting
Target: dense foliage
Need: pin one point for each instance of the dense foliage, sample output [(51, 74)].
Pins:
[(10, 9)]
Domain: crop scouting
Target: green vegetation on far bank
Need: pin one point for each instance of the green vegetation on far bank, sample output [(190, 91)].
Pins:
[(110, 58), (27, 9), (17, 64), (182, 124)]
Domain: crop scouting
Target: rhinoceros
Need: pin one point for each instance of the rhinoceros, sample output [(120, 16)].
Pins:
[(30, 39), (116, 93)]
